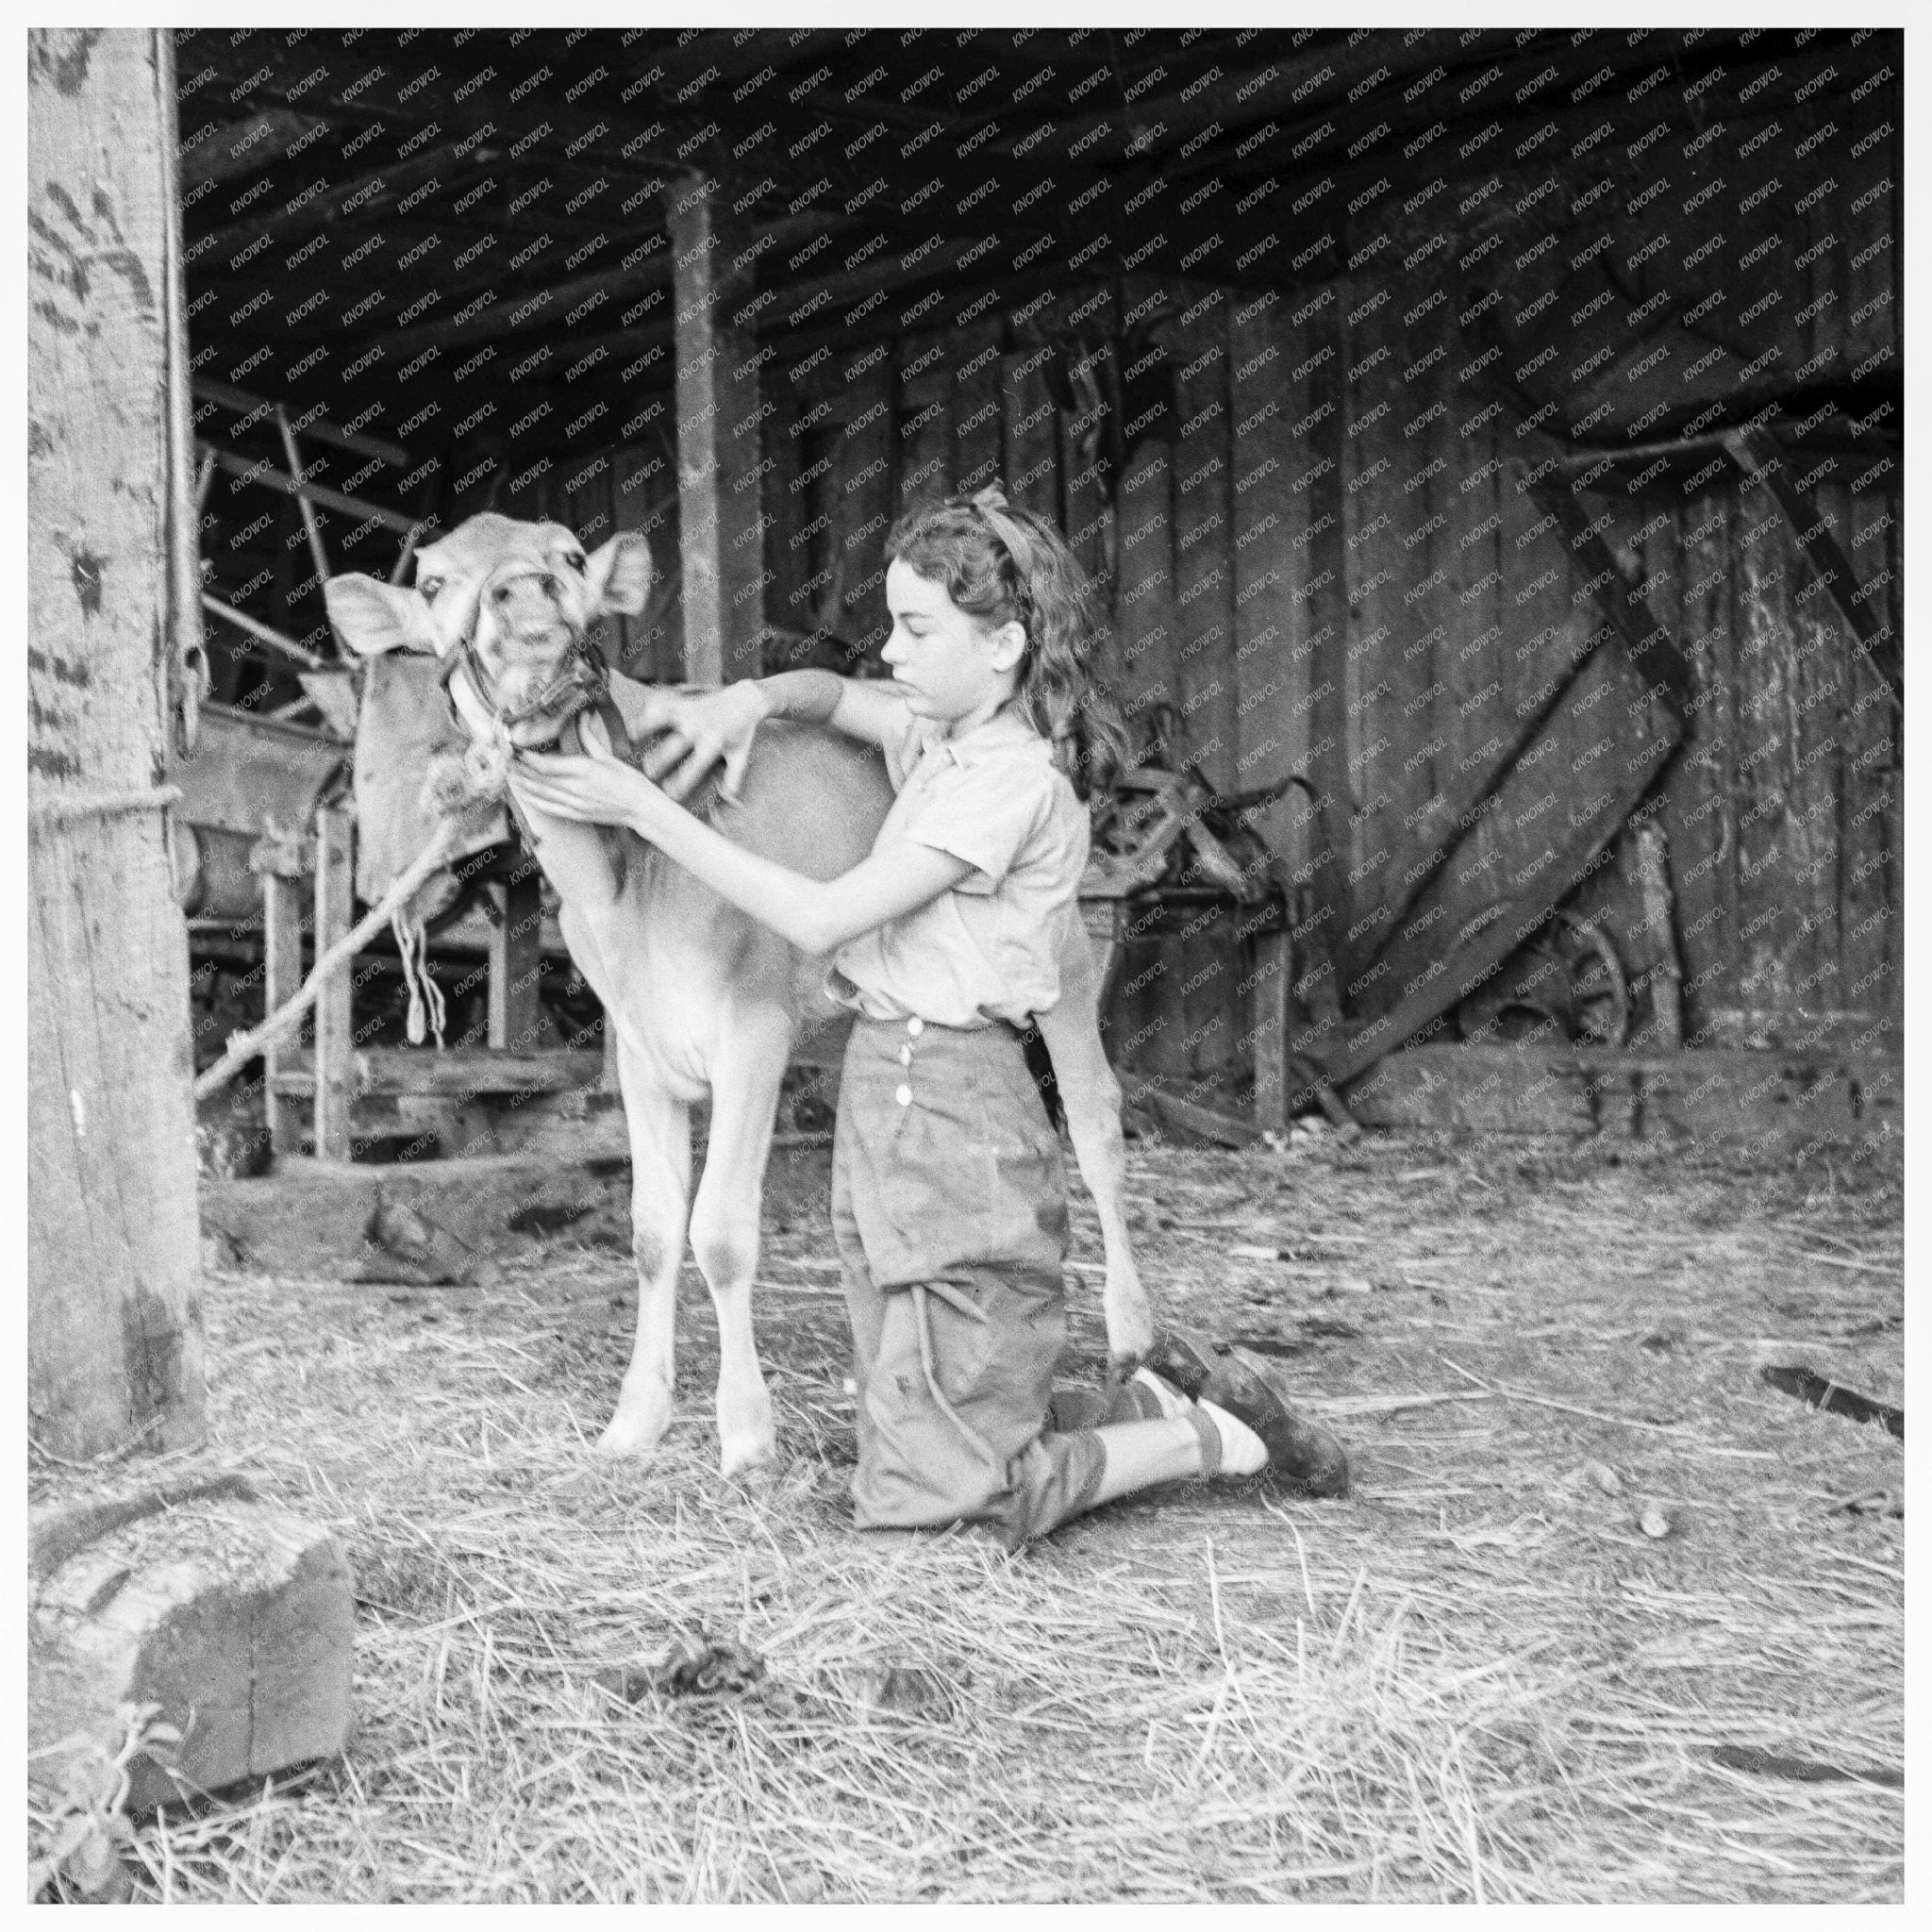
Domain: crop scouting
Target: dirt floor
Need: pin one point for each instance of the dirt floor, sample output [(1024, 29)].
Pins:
[(1481, 1677)]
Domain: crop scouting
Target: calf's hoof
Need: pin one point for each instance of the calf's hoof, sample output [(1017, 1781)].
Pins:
[(635, 1430), (747, 1430), (751, 1453)]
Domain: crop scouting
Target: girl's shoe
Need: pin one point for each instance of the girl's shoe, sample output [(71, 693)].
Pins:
[(1184, 1360), (1302, 1456)]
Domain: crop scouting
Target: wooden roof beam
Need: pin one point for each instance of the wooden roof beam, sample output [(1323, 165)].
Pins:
[(542, 307), (320, 212), (221, 150), (345, 90), (260, 407), (374, 193), (271, 478), (1313, 139), (1321, 77), (1385, 178), (872, 180), (1674, 106), (1464, 120), (777, 310)]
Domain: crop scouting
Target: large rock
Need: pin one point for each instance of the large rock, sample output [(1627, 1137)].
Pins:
[(236, 1618)]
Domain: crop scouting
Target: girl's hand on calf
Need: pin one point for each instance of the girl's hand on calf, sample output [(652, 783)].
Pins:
[(598, 789), (701, 730), (1129, 1317)]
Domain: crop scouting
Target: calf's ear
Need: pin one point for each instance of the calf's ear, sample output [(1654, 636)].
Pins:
[(371, 618), (620, 573)]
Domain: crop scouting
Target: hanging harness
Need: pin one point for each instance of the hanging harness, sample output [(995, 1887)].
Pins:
[(585, 677)]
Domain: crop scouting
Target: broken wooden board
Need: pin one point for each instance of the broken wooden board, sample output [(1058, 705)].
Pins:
[(1450, 815), (453, 1072), (1655, 654), (1450, 980), (235, 1618), (1822, 1391), (1203, 1123), (1646, 646), (1655, 657), (1492, 1090)]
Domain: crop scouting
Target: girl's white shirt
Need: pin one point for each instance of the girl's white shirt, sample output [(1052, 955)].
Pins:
[(988, 948)]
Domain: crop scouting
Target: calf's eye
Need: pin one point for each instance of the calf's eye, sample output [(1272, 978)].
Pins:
[(429, 586), (576, 563)]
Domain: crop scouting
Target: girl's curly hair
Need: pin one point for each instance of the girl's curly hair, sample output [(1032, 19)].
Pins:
[(1002, 564)]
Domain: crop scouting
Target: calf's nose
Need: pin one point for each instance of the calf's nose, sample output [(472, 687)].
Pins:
[(543, 581)]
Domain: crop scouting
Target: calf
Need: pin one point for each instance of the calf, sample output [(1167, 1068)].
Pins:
[(702, 996)]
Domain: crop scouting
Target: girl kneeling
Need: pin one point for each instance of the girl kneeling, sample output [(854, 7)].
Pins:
[(949, 1195)]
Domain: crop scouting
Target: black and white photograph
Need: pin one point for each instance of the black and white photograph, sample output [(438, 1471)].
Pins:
[(966, 963)]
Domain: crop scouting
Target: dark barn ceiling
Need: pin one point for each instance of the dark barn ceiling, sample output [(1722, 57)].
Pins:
[(446, 235)]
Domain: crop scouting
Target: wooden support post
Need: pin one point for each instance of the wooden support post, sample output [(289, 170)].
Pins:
[(1268, 1020), (335, 1046), (1660, 917), (1323, 592), (516, 960), (718, 417), (282, 904), (114, 1343)]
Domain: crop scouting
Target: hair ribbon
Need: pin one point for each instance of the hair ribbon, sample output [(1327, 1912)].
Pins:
[(992, 503)]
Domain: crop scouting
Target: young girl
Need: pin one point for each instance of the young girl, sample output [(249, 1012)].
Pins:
[(949, 1197)]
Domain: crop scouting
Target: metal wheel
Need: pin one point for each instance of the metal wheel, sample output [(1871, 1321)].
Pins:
[(1599, 988)]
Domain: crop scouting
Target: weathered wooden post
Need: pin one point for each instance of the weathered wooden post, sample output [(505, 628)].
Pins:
[(516, 962), (718, 417), (283, 875), (232, 1619), (1270, 1013), (335, 1045), (113, 1267)]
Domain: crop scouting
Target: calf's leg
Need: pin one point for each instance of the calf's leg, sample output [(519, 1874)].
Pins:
[(660, 1126), (745, 1079)]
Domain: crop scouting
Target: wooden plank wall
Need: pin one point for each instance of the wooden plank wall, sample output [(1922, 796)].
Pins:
[(1331, 568)]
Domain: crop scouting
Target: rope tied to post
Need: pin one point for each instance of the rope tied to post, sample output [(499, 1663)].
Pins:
[(63, 808)]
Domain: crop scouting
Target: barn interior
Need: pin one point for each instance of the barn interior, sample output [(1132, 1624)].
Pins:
[(1488, 448)]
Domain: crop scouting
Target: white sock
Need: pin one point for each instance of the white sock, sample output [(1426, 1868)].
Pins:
[(1242, 1451), (1172, 1400)]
